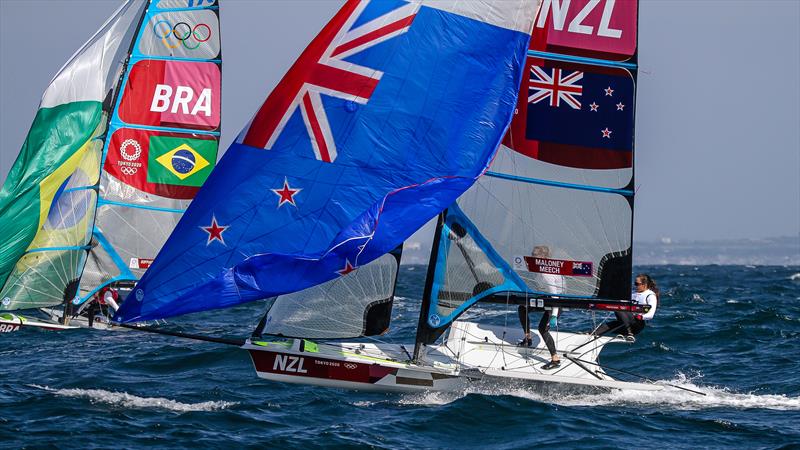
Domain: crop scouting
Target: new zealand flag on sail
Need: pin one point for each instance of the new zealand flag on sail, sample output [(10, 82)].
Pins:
[(391, 113), (576, 116)]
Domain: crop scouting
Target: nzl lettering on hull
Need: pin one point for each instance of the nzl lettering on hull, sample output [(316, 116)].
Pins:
[(309, 366), (596, 28)]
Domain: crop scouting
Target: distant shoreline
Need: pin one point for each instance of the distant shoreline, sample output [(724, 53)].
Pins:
[(776, 251)]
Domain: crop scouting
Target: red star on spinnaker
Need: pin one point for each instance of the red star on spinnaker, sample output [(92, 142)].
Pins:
[(215, 231)]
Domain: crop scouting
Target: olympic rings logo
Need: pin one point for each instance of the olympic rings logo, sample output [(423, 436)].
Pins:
[(183, 33)]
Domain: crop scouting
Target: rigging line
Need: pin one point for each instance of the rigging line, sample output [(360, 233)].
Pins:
[(53, 249), (642, 377), (598, 337), (591, 350), (578, 363), (180, 334), (102, 201), (580, 187), (582, 59)]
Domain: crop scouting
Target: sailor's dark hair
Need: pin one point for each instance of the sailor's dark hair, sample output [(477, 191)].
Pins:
[(650, 283)]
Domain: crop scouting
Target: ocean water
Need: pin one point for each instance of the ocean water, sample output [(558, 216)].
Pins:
[(731, 332)]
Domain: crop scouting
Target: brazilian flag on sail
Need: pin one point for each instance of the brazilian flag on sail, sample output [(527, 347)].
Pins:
[(57, 141), (180, 161)]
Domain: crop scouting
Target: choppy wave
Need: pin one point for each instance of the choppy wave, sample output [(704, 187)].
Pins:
[(671, 396), (126, 400), (748, 318)]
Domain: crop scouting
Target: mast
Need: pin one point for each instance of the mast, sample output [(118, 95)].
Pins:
[(425, 334), (162, 139), (71, 292)]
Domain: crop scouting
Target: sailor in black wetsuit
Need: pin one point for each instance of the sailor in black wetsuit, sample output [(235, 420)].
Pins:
[(553, 284)]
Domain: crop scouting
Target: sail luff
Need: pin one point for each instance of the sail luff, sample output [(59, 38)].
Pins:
[(142, 195), (115, 103)]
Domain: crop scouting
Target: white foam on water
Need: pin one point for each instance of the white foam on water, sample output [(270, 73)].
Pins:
[(126, 400), (430, 398), (795, 277), (670, 397), (363, 404)]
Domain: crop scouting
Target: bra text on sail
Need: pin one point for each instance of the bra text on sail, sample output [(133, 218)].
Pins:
[(162, 97)]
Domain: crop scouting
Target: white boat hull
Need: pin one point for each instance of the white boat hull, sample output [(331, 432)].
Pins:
[(12, 322), (472, 353)]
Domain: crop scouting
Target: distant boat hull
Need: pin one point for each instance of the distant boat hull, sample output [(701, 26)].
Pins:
[(472, 354), (10, 323), (13, 322)]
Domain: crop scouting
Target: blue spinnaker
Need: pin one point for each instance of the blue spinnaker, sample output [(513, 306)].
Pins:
[(388, 116)]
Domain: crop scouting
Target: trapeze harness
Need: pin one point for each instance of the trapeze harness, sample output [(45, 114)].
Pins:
[(627, 323)]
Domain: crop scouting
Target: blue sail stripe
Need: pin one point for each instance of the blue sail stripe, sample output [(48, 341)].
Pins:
[(582, 187), (512, 283), (123, 268), (103, 201), (117, 123), (81, 300), (582, 60), (93, 187), (55, 249), (137, 56), (197, 8)]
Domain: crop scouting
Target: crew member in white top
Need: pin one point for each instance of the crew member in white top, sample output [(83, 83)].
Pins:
[(627, 323)]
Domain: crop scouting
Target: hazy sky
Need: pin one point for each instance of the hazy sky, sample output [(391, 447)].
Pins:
[(718, 118)]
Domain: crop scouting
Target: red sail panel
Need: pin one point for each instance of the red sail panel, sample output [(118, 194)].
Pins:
[(181, 94), (172, 165), (605, 29)]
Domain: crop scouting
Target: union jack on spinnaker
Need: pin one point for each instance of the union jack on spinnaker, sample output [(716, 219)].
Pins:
[(389, 115)]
